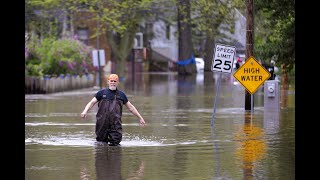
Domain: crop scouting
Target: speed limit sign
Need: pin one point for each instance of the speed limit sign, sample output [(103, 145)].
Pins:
[(223, 58)]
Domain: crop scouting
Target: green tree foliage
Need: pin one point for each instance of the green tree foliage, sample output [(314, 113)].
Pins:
[(275, 32), (41, 17), (119, 21), (208, 17)]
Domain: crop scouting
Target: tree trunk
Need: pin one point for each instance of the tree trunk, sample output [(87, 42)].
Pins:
[(208, 56), (121, 48), (185, 41)]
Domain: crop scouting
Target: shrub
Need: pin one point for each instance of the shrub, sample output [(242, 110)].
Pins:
[(57, 56)]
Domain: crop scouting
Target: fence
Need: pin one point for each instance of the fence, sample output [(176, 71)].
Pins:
[(46, 84)]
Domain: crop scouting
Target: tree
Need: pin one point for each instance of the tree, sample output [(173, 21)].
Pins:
[(214, 18), (120, 20), (186, 54), (275, 32), (43, 18)]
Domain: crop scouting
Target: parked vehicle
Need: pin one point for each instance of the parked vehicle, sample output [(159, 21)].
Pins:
[(199, 64)]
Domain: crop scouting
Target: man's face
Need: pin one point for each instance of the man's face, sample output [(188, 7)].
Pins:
[(113, 84)]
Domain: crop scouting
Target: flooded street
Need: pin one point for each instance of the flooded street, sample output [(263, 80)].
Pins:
[(178, 142)]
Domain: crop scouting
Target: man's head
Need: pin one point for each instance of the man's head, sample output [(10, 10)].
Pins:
[(113, 81)]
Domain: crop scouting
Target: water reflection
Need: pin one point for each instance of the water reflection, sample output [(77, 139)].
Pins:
[(252, 147), (186, 85), (85, 173), (271, 122), (286, 91), (216, 156), (108, 164)]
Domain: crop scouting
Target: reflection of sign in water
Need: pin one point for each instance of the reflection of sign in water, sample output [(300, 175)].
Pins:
[(271, 123), (251, 75), (252, 147)]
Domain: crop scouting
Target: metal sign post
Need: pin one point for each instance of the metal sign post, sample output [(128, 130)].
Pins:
[(98, 57), (216, 100), (222, 63)]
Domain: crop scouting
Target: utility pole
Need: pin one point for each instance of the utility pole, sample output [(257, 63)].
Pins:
[(249, 45)]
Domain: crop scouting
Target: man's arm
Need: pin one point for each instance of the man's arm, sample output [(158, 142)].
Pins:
[(135, 112), (88, 107)]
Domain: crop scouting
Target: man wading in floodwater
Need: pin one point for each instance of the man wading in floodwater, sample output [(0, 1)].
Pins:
[(110, 101)]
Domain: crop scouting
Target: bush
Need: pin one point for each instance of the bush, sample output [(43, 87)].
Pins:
[(57, 56)]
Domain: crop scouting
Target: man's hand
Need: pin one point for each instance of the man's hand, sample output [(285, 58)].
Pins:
[(83, 115), (142, 122)]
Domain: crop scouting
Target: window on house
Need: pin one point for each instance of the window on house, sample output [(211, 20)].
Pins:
[(83, 35)]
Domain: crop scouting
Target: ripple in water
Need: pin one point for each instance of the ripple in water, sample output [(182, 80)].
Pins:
[(88, 141)]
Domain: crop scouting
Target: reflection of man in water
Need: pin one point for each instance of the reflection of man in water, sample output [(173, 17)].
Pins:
[(108, 164)]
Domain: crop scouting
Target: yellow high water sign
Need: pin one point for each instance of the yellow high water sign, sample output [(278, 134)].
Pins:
[(251, 74)]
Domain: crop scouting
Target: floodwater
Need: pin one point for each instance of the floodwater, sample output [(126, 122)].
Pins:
[(178, 142)]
